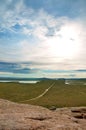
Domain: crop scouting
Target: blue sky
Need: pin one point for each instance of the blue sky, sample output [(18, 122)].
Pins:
[(41, 38)]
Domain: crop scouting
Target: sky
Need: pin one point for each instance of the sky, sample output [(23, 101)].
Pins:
[(43, 38)]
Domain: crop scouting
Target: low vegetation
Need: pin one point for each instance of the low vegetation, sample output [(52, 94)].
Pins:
[(60, 95)]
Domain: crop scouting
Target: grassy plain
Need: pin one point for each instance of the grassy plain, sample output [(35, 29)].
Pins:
[(60, 95)]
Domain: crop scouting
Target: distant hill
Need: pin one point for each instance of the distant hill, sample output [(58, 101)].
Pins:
[(37, 79), (25, 79)]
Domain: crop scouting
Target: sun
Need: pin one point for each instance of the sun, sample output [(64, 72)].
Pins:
[(64, 48), (65, 44)]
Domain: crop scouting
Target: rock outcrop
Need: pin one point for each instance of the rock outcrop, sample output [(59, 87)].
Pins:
[(14, 116)]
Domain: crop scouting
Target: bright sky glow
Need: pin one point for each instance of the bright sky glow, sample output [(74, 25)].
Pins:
[(43, 38)]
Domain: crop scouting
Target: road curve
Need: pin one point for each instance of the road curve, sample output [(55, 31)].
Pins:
[(41, 95)]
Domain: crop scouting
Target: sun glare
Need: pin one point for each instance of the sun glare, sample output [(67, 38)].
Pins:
[(65, 44)]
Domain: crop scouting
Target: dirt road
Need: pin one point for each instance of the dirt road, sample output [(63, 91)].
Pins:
[(42, 94)]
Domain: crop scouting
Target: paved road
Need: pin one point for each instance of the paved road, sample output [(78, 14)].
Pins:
[(41, 95)]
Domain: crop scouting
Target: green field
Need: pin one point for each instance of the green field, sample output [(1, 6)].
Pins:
[(60, 95)]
